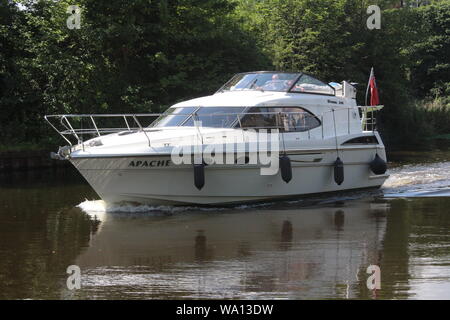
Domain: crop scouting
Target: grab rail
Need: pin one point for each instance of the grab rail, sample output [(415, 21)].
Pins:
[(132, 123), (368, 117), (78, 133)]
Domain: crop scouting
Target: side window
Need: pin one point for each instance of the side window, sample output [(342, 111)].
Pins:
[(298, 120), (259, 118), (309, 84), (287, 119)]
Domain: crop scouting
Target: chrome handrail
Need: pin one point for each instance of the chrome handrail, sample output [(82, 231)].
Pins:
[(69, 129), (77, 133)]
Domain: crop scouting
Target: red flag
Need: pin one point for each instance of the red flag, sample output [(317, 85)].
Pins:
[(374, 100)]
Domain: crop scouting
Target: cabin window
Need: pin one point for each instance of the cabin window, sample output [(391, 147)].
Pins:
[(308, 84), (173, 117), (363, 140), (215, 117), (287, 119)]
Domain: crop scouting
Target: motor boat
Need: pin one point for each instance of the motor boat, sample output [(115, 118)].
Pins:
[(262, 136)]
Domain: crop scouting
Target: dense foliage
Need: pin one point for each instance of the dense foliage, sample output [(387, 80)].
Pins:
[(329, 38), (128, 56), (143, 55)]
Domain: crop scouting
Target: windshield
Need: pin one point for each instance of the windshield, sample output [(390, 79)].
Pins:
[(265, 81), (308, 84), (173, 117), (215, 117)]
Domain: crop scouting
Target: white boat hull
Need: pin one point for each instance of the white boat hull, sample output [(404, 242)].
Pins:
[(160, 182)]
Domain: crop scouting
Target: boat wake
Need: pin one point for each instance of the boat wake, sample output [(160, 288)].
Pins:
[(99, 206), (428, 180)]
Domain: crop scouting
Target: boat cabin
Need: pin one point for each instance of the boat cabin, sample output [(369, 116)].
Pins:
[(291, 102)]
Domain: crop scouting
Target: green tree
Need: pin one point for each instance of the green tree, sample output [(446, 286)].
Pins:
[(430, 54), (135, 56)]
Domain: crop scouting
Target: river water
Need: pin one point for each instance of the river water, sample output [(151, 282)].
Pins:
[(315, 248)]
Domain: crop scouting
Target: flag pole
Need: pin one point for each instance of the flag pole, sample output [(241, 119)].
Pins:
[(368, 84), (367, 94)]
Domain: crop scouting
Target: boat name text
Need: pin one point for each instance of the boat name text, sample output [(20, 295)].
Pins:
[(151, 163)]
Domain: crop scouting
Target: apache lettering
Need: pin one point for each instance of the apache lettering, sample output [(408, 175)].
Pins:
[(152, 163)]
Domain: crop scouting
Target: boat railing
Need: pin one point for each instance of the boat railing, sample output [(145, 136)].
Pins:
[(88, 124), (368, 117), (73, 128)]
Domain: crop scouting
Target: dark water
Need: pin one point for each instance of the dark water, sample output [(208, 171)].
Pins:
[(317, 248)]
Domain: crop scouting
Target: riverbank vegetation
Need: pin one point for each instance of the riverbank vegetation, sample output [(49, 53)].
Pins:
[(143, 55)]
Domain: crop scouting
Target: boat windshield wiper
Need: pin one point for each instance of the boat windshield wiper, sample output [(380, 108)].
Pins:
[(253, 85)]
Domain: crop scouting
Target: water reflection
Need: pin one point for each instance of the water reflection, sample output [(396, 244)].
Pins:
[(200, 247), (286, 235), (339, 218), (38, 239), (289, 253)]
